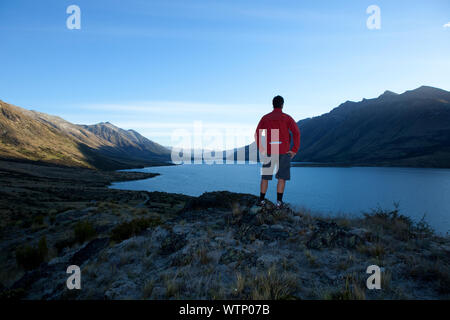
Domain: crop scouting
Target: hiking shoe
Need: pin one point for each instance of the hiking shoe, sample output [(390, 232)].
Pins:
[(280, 205), (261, 203)]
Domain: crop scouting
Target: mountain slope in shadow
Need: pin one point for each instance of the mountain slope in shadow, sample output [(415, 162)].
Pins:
[(410, 129)]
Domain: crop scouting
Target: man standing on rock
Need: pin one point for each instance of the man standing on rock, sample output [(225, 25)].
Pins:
[(273, 139)]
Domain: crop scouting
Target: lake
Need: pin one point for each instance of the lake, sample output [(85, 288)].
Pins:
[(323, 190)]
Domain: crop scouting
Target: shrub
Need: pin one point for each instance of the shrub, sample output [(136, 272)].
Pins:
[(400, 226), (423, 228), (83, 231), (131, 228), (29, 257)]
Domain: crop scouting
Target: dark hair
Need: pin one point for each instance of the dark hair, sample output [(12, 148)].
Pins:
[(278, 102)]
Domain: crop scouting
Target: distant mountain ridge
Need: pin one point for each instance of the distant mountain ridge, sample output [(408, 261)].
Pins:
[(36, 136), (408, 129), (128, 141)]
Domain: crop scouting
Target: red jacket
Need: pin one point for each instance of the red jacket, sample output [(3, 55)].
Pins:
[(284, 123)]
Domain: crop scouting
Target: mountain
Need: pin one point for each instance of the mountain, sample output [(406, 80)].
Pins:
[(36, 136), (127, 141), (410, 129)]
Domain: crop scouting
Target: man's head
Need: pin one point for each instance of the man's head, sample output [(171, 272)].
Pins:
[(278, 102)]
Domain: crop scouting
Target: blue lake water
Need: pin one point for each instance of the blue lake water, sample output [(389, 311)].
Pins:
[(324, 190)]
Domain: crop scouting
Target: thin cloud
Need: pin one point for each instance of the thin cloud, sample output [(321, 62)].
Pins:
[(171, 107), (183, 125), (447, 25)]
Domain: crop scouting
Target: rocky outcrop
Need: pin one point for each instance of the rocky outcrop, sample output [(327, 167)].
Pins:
[(330, 235)]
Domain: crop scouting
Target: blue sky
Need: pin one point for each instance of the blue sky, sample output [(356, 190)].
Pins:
[(155, 66)]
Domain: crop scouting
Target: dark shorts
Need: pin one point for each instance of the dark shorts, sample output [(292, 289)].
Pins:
[(280, 164)]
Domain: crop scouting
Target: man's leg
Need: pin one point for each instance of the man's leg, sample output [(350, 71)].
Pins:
[(283, 174), (280, 189), (264, 186), (266, 175), (280, 186)]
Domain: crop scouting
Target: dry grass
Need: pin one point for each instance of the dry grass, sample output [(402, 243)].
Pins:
[(352, 290), (346, 263), (432, 271), (240, 284), (386, 278), (273, 285), (377, 250), (172, 286), (202, 255), (148, 289), (312, 260)]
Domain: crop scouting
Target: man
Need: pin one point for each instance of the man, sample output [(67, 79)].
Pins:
[(276, 151)]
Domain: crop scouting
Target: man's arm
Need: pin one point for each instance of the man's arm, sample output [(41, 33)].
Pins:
[(258, 137), (293, 127)]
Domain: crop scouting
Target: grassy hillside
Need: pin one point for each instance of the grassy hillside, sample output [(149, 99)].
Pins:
[(34, 136), (22, 137)]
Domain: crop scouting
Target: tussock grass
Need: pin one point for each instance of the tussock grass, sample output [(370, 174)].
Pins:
[(273, 285), (386, 278), (202, 255), (239, 284), (147, 290), (352, 290), (172, 286)]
